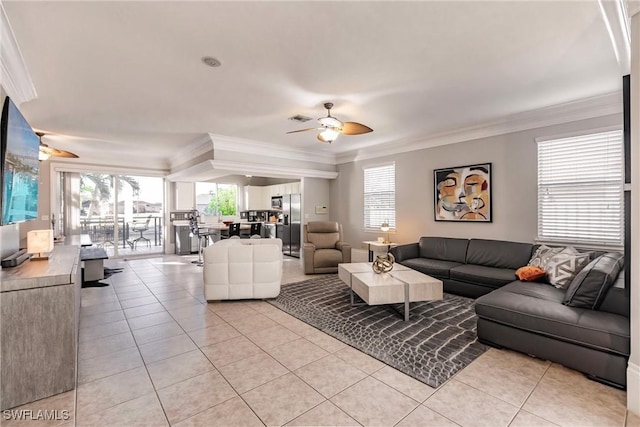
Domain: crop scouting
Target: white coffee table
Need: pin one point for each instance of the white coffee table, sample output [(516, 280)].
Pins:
[(400, 285)]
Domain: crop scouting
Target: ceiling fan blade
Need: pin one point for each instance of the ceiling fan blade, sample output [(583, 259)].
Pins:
[(54, 152), (303, 130), (354, 128)]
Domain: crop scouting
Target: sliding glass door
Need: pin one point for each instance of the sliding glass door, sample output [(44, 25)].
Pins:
[(121, 213)]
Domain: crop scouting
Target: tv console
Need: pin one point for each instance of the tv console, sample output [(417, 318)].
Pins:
[(16, 259), (39, 306)]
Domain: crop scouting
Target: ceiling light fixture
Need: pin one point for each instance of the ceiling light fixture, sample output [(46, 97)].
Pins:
[(328, 135), (330, 127), (211, 61)]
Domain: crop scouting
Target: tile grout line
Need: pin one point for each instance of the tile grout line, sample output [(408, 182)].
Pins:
[(143, 363)]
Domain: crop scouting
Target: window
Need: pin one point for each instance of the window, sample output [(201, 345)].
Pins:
[(380, 196), (580, 189), (214, 199)]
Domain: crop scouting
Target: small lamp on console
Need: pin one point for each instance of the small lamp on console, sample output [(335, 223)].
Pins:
[(40, 243), (384, 227)]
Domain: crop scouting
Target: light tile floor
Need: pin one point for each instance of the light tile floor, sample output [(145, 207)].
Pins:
[(153, 352)]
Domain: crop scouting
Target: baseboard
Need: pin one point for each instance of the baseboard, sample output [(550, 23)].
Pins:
[(633, 388)]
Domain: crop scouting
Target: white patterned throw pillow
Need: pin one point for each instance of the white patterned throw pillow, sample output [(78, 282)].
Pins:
[(562, 267), (542, 256)]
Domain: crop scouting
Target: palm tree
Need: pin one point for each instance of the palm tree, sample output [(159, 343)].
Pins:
[(102, 186)]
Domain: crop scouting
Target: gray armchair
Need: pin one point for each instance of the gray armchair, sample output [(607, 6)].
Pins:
[(323, 248)]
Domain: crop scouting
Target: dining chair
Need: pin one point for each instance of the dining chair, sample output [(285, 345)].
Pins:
[(234, 230)]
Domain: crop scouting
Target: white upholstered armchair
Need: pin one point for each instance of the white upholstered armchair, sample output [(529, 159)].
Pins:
[(242, 269)]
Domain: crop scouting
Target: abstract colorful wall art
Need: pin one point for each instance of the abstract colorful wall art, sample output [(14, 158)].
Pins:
[(463, 193)]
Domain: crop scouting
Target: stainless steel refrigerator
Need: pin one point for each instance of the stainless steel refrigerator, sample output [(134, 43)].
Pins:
[(289, 229)]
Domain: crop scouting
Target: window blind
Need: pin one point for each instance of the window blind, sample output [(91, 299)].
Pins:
[(380, 196), (580, 189)]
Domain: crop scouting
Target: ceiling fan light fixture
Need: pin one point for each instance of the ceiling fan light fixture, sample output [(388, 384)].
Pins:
[(328, 135), (330, 122), (42, 156)]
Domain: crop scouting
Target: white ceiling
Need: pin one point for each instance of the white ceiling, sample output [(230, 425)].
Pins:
[(128, 76)]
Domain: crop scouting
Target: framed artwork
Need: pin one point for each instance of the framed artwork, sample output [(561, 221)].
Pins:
[(463, 193)]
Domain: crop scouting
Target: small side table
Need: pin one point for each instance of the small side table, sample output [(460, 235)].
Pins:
[(372, 245)]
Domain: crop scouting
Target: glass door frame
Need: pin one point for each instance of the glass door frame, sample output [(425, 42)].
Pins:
[(56, 193)]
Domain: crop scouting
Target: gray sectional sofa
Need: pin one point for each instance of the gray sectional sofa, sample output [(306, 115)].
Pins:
[(584, 327)]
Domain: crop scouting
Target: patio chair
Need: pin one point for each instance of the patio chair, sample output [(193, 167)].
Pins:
[(141, 225)]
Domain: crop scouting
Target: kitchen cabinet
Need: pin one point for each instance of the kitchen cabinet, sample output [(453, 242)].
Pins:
[(255, 198), (259, 198)]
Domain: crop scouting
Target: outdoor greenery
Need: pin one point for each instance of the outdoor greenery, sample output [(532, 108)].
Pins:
[(223, 202), (97, 188)]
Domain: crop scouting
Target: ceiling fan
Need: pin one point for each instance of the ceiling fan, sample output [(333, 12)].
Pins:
[(331, 127), (46, 151)]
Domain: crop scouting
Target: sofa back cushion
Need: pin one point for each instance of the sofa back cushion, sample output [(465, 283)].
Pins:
[(589, 287), (323, 234), (499, 254), (323, 240), (443, 248)]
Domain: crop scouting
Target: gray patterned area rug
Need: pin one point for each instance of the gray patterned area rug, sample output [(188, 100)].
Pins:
[(438, 340)]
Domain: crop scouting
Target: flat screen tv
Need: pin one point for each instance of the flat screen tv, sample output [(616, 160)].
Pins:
[(20, 166)]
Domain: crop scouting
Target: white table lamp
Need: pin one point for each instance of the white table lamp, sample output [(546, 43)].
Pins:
[(40, 243), (384, 227)]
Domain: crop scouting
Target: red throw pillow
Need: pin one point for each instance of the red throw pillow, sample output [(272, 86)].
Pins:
[(530, 273)]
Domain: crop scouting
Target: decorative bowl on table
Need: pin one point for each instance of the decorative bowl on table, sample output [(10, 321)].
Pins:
[(227, 223)]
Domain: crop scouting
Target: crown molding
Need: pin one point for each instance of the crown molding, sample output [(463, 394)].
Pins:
[(239, 145), (588, 108), (14, 76), (61, 164), (211, 169), (200, 146)]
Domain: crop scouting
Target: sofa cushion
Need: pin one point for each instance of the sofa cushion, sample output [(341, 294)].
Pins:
[(538, 308), (432, 267), (588, 288), (563, 266), (327, 258), (443, 248), (499, 254), (483, 275)]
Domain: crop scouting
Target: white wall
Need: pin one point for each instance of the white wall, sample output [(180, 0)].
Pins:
[(315, 192), (514, 186), (185, 196)]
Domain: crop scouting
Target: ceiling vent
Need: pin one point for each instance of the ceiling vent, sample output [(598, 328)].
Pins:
[(300, 118), (211, 61)]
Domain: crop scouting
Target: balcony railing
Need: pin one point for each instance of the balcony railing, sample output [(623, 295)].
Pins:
[(102, 231)]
